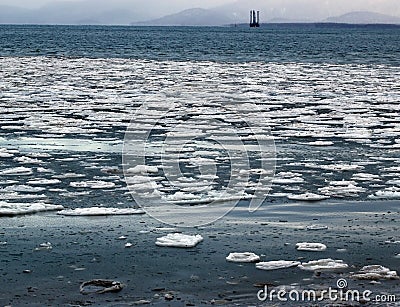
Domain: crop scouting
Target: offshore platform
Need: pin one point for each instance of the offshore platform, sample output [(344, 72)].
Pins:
[(254, 19)]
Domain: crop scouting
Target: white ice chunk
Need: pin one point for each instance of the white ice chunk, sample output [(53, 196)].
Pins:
[(143, 169), (375, 272), (179, 240), (93, 184), (43, 181), (310, 247), (10, 209), (243, 257), (16, 171), (308, 197), (323, 265), (98, 211), (316, 227), (275, 265), (321, 143)]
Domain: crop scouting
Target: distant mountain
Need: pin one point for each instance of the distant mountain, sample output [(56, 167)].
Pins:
[(192, 17), (233, 11), (364, 18)]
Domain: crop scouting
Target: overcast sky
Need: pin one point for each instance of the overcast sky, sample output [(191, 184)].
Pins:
[(127, 11), (38, 3)]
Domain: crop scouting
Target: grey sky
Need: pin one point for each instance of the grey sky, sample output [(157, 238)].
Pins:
[(178, 3), (231, 11)]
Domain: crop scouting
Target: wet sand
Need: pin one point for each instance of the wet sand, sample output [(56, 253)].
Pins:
[(89, 248)]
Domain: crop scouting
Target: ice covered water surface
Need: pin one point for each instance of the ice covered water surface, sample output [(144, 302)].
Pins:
[(81, 107)]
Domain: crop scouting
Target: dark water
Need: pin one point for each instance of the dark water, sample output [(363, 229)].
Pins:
[(281, 43), (328, 93)]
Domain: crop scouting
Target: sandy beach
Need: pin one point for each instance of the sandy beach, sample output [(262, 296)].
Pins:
[(82, 248)]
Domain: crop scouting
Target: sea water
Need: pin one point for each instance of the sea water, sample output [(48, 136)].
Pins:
[(328, 94)]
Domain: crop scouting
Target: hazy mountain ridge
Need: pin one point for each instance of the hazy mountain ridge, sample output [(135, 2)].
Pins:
[(155, 12), (363, 17), (192, 17)]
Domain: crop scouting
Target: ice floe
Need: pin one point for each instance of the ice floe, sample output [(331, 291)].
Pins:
[(316, 227), (276, 265), (311, 247), (323, 265), (375, 272), (16, 171), (10, 209), (44, 246), (243, 257), (179, 240), (44, 181), (142, 169), (95, 184), (388, 193), (99, 211), (321, 143)]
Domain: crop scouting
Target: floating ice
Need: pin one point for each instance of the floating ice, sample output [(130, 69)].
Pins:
[(179, 240), (44, 246), (16, 171), (15, 195), (308, 197), (375, 272), (323, 265), (316, 227), (388, 193), (22, 188), (4, 153), (276, 265), (27, 160), (142, 169), (321, 143), (93, 184), (342, 189), (98, 211), (243, 257), (311, 247), (10, 209), (43, 181), (287, 180)]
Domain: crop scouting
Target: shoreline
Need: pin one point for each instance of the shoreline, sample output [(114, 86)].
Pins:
[(87, 248)]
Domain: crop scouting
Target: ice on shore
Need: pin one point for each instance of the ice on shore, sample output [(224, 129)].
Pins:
[(308, 197), (276, 265), (243, 257), (375, 272), (310, 247), (179, 240), (11, 209), (323, 265), (99, 211)]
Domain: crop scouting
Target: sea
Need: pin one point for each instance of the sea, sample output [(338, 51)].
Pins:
[(324, 97)]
